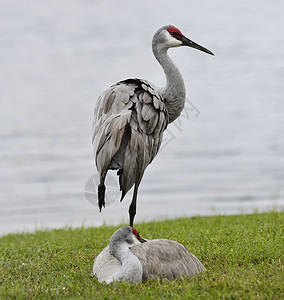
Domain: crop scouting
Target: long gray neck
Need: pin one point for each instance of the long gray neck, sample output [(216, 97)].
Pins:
[(131, 268), (174, 91)]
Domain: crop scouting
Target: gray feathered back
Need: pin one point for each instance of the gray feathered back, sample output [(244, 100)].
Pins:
[(166, 259)]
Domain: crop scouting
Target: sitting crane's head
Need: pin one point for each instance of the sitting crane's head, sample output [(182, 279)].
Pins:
[(169, 36), (124, 235)]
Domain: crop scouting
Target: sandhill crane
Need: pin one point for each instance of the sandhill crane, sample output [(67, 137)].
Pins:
[(131, 258), (131, 116)]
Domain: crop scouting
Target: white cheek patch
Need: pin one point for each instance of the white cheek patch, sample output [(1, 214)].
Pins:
[(172, 42)]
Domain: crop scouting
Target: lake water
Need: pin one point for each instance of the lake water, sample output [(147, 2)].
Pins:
[(224, 155)]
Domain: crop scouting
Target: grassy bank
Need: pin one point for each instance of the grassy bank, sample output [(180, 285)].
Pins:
[(243, 256)]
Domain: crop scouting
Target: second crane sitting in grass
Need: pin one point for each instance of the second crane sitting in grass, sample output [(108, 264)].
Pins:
[(131, 116)]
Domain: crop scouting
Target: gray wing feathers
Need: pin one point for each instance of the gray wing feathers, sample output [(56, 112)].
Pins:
[(148, 112), (129, 121), (167, 259), (109, 137)]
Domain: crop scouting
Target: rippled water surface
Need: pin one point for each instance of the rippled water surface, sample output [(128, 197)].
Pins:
[(224, 155)]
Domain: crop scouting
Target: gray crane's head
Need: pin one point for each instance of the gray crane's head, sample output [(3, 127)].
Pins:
[(125, 234), (169, 36)]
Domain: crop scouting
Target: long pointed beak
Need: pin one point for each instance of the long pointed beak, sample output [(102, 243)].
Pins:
[(187, 42), (142, 240)]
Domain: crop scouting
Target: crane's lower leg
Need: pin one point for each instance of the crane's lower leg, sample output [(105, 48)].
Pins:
[(132, 207)]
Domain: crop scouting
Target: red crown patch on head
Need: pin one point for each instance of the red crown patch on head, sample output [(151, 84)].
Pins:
[(135, 232), (175, 32)]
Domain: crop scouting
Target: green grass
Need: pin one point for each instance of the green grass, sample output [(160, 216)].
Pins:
[(243, 256)]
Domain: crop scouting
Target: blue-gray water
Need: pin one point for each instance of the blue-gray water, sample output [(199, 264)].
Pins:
[(56, 57)]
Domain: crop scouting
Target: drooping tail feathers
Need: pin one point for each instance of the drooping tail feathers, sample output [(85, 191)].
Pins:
[(101, 195)]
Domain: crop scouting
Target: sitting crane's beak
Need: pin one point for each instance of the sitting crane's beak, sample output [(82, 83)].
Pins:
[(187, 42), (143, 240)]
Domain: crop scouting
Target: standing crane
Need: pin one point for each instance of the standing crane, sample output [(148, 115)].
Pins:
[(128, 257), (131, 116)]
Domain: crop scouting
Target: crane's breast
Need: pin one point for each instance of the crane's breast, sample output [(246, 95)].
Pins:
[(105, 265)]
